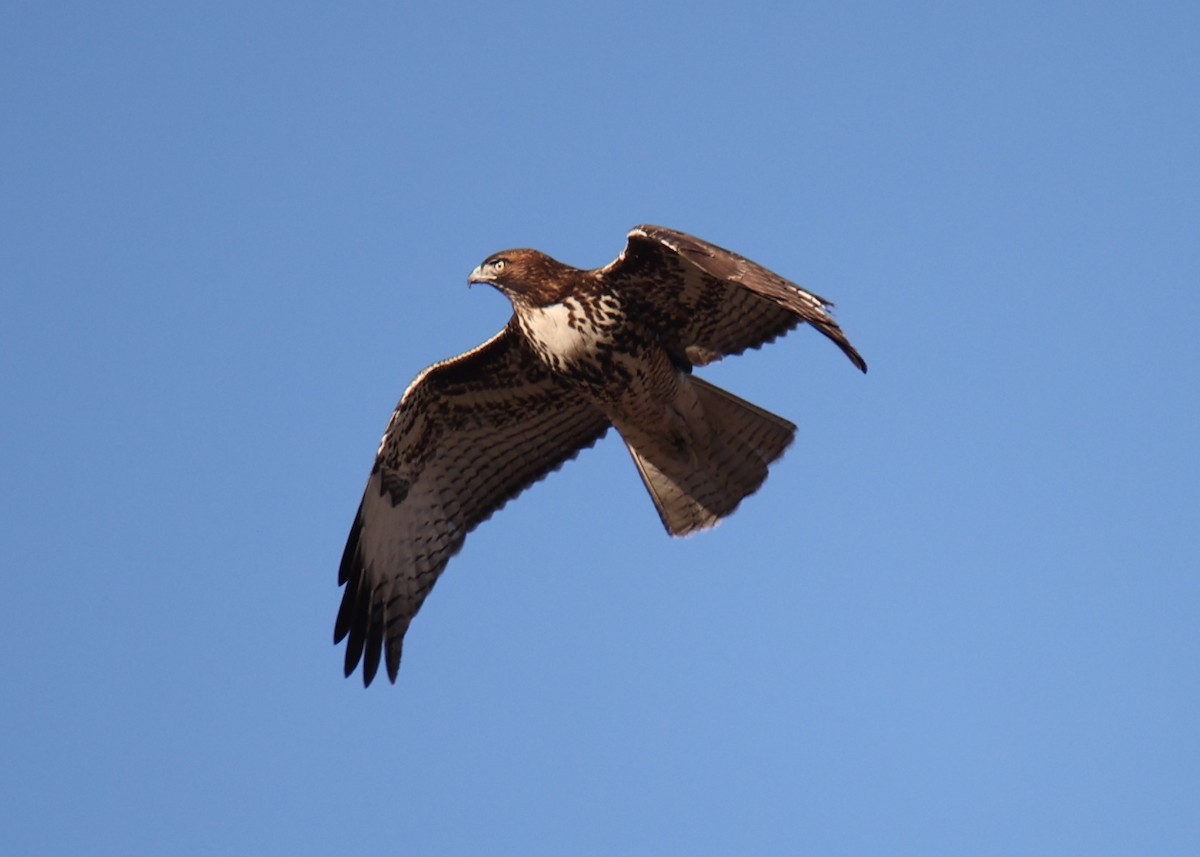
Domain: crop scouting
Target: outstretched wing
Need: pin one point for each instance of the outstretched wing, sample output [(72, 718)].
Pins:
[(468, 435), (719, 302)]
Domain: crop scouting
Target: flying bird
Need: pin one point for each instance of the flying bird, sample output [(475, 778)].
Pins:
[(584, 351)]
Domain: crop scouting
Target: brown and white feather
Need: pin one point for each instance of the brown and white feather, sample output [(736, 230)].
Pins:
[(468, 435), (717, 302)]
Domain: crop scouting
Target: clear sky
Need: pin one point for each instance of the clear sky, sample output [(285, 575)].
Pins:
[(962, 616)]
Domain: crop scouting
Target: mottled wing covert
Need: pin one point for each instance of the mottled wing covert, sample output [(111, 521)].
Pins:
[(721, 303), (468, 435)]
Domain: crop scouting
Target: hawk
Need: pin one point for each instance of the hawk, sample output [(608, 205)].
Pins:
[(584, 351)]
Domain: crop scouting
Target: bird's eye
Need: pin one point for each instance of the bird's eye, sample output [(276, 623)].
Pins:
[(498, 264)]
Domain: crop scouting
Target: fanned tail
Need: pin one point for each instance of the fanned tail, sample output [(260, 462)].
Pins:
[(725, 460)]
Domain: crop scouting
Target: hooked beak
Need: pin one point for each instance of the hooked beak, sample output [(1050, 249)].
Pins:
[(477, 276)]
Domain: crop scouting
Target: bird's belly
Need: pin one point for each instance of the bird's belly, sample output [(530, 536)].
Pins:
[(591, 349), (579, 343), (561, 334)]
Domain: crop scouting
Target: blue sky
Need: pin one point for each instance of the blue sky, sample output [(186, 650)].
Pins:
[(961, 616)]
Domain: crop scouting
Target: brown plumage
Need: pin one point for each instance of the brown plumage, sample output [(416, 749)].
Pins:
[(584, 350)]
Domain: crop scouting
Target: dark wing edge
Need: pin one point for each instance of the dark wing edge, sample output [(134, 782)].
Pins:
[(468, 436), (729, 267)]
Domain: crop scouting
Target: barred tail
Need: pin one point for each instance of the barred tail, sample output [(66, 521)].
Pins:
[(725, 462)]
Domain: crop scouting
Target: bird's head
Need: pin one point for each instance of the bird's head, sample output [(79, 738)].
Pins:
[(526, 276)]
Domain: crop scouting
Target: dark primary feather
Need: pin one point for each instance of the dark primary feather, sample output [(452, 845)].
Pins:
[(715, 302), (469, 434)]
